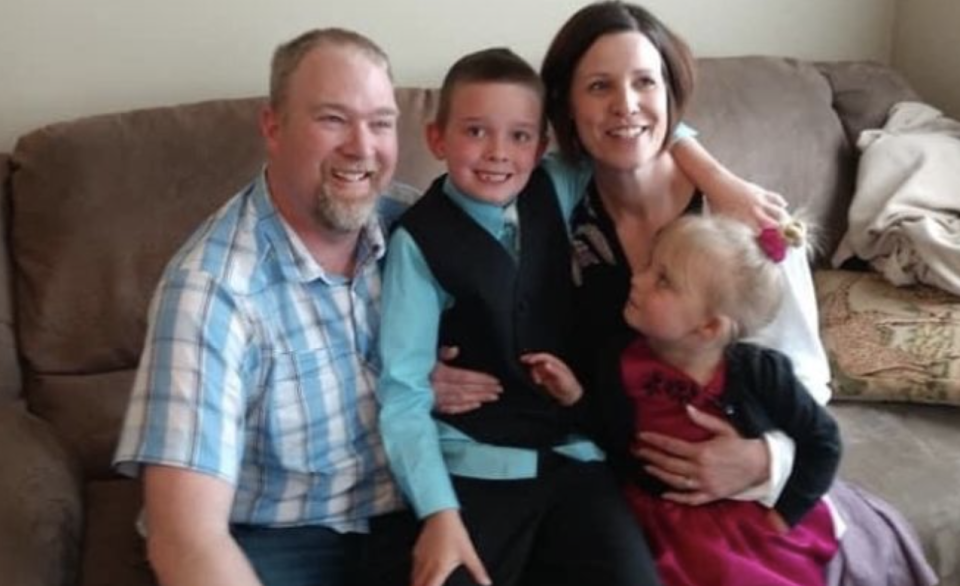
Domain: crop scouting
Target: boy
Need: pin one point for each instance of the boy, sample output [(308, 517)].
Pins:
[(482, 262)]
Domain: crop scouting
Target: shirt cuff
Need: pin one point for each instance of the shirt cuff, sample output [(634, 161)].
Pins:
[(782, 451), (683, 131)]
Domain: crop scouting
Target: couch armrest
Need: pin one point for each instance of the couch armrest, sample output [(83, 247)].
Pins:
[(40, 503)]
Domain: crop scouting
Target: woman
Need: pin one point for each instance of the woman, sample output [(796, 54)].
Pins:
[(617, 83)]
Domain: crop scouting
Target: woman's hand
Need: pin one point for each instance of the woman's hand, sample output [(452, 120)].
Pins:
[(442, 547), (555, 376), (458, 390), (702, 472)]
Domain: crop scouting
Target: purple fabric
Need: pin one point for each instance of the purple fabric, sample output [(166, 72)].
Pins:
[(879, 548)]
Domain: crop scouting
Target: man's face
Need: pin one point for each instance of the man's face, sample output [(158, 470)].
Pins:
[(332, 143)]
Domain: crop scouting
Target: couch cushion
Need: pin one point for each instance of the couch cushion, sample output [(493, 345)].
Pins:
[(771, 121), (889, 343), (907, 455), (864, 92), (113, 552)]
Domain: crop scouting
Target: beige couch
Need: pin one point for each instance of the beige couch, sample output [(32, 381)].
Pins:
[(93, 208)]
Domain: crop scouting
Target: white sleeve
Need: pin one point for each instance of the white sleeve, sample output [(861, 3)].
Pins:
[(782, 451), (795, 330)]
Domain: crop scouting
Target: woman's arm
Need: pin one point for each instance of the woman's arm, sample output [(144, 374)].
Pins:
[(727, 193)]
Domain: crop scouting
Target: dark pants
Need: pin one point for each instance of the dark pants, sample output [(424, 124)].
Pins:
[(317, 556), (569, 526)]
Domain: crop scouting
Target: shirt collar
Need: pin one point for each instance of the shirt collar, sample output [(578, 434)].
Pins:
[(490, 216), (296, 262)]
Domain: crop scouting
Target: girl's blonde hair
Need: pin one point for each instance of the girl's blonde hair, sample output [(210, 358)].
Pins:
[(722, 260)]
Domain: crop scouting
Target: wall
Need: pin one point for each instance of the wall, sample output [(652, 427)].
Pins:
[(925, 50), (63, 59)]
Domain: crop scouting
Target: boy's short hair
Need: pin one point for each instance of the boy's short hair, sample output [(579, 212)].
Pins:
[(288, 56), (494, 65)]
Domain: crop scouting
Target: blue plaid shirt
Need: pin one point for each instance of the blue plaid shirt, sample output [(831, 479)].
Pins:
[(259, 368)]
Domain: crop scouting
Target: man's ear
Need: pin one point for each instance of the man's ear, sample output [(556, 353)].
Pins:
[(435, 142), (270, 126)]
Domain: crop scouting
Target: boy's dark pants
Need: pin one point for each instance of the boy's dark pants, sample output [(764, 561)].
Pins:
[(569, 526)]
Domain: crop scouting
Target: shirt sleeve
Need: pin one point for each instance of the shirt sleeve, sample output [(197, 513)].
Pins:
[(569, 181), (795, 329), (683, 131), (412, 302), (187, 404), (782, 451)]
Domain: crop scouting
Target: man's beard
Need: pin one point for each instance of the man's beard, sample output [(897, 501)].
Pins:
[(343, 216)]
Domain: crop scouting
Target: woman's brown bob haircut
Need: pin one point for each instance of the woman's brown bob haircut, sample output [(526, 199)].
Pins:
[(577, 36)]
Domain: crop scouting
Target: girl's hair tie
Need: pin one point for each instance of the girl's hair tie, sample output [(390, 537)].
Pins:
[(774, 240)]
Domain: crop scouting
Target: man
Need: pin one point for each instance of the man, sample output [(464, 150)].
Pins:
[(253, 420)]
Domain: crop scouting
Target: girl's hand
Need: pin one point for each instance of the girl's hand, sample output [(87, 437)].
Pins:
[(555, 376)]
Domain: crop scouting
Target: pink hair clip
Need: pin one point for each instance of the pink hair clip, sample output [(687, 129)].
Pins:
[(773, 243), (774, 240)]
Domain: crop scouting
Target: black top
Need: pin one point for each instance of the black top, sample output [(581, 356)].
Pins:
[(761, 394)]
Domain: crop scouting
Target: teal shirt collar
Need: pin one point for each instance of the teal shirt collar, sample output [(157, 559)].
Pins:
[(490, 216)]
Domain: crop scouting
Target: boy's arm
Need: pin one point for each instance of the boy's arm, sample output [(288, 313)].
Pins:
[(412, 302), (727, 193)]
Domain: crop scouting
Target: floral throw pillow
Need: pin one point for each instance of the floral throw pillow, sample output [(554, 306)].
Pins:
[(888, 343)]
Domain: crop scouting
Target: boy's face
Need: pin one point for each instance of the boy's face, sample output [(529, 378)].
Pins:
[(492, 139)]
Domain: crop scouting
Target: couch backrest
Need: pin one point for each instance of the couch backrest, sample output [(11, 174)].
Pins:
[(98, 205), (9, 368)]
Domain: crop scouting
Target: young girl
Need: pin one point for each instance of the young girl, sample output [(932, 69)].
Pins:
[(709, 284)]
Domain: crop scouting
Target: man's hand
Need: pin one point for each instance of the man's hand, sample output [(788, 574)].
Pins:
[(442, 547), (555, 376), (702, 472), (458, 390)]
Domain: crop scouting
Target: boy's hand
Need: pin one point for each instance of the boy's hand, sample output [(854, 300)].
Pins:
[(555, 376), (457, 390), (442, 547)]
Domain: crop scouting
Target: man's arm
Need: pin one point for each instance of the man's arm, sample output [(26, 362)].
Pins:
[(188, 530)]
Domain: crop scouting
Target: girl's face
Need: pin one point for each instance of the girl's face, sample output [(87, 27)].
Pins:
[(663, 306), (619, 100)]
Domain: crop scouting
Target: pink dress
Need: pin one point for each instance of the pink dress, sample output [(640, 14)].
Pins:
[(728, 542)]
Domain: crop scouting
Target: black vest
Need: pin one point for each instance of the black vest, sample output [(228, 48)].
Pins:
[(503, 307)]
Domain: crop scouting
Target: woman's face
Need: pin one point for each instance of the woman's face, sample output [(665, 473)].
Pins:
[(619, 101)]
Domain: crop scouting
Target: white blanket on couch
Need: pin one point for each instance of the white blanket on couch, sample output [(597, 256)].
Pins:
[(905, 215)]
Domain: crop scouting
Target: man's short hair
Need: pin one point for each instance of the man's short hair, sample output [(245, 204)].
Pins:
[(288, 56)]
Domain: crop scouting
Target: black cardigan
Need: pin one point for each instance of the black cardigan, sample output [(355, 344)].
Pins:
[(761, 394)]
